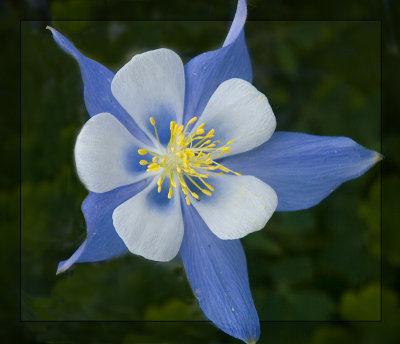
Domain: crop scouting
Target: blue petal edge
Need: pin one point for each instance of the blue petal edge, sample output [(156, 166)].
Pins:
[(205, 72), (304, 169), (217, 272), (97, 87), (102, 241)]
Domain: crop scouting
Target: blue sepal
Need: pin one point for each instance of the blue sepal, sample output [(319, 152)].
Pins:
[(217, 272), (97, 87), (304, 169), (205, 72), (102, 241)]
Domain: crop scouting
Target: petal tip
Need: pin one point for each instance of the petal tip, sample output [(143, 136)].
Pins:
[(378, 157), (62, 267), (52, 30)]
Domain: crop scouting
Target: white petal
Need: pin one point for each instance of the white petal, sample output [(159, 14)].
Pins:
[(238, 206), (106, 154), (152, 84), (238, 111), (150, 224)]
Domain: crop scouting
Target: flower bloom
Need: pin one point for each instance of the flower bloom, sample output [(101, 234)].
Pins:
[(179, 157), (184, 159)]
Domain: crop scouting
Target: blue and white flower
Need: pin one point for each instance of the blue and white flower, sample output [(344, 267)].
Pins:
[(184, 159)]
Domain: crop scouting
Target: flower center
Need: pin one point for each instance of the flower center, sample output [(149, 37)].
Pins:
[(191, 157)]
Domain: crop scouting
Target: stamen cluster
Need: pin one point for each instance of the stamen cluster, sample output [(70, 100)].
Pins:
[(191, 157)]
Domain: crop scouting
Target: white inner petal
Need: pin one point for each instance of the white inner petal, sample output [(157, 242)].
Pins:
[(152, 84), (238, 206), (150, 224), (238, 111), (106, 154)]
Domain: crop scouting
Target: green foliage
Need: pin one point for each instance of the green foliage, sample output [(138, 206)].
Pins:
[(361, 305), (332, 335)]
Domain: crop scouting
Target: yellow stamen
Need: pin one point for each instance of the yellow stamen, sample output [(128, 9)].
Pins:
[(194, 119), (199, 131), (191, 157), (207, 185), (204, 191), (153, 123)]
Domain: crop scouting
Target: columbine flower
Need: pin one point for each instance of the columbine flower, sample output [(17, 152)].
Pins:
[(185, 159)]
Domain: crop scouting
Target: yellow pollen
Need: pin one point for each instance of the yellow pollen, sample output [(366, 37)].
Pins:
[(190, 156), (199, 131), (194, 119), (208, 193), (195, 195)]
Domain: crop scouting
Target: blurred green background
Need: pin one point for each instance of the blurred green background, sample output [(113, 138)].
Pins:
[(321, 265)]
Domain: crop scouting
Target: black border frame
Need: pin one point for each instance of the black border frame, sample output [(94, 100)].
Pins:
[(198, 321)]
